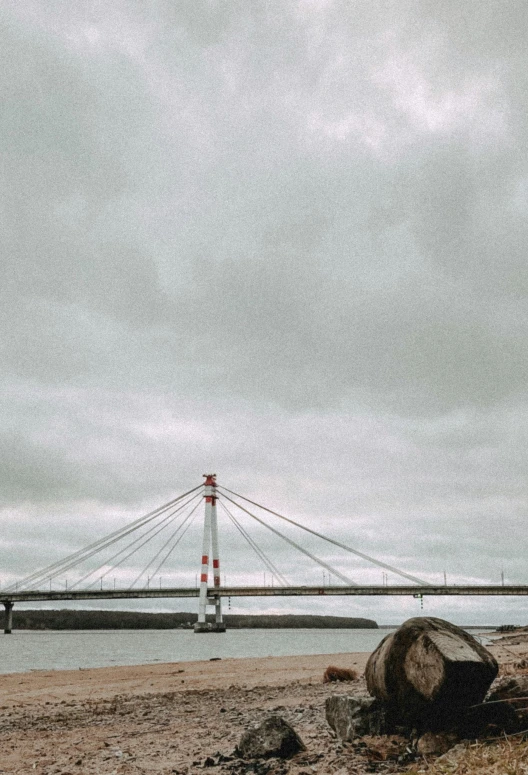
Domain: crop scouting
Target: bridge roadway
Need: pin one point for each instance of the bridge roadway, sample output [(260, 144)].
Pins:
[(38, 595), (26, 596)]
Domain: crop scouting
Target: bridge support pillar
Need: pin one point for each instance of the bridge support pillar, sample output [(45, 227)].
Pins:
[(210, 546), (8, 621)]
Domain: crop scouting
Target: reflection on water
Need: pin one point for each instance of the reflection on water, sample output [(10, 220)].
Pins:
[(51, 650)]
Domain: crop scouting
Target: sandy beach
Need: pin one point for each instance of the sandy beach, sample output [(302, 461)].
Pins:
[(182, 717)]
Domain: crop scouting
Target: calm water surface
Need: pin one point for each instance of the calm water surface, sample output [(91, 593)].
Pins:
[(51, 650)]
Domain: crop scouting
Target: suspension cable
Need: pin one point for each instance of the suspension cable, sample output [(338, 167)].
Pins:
[(77, 557), (253, 546), (260, 552), (88, 551), (256, 548), (169, 539), (135, 541), (191, 516), (333, 541), (318, 560), (142, 538)]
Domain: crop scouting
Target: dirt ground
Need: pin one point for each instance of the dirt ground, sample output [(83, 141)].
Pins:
[(186, 717)]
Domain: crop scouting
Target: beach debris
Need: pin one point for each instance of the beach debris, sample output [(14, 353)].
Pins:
[(428, 672), (333, 673), (216, 760), (351, 717), (386, 748), (273, 737)]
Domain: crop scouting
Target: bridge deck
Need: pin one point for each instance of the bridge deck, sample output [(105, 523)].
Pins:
[(25, 596)]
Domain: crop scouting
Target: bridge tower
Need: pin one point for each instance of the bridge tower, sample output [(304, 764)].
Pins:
[(210, 549)]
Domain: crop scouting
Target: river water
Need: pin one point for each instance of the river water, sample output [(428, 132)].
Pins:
[(27, 650)]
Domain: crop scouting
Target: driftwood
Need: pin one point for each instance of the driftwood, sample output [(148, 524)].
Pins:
[(429, 672)]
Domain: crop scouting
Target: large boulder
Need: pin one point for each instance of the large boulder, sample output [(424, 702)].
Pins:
[(274, 737), (429, 672)]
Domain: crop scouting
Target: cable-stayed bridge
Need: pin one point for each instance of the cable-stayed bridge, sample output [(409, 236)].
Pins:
[(159, 533)]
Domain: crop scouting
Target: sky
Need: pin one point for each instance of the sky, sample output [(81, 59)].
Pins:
[(283, 242)]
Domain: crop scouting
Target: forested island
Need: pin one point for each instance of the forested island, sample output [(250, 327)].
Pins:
[(138, 620)]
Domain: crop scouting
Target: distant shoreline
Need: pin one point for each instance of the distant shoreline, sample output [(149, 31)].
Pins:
[(67, 619)]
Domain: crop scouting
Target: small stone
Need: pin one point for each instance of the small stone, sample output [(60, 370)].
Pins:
[(453, 755), (435, 744), (274, 737)]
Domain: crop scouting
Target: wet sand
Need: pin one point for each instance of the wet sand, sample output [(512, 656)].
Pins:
[(180, 718)]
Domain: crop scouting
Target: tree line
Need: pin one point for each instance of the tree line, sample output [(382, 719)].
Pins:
[(66, 619)]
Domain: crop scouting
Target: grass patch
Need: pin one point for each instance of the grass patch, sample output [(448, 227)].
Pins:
[(501, 757)]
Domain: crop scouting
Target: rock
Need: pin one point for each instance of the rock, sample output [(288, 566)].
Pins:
[(510, 687), (513, 689), (451, 758), (274, 737), (488, 718), (436, 743), (429, 671), (352, 717)]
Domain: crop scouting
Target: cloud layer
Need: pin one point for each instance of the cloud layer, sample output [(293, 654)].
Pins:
[(281, 241)]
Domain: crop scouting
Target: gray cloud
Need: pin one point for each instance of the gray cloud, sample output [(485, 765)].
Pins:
[(285, 241)]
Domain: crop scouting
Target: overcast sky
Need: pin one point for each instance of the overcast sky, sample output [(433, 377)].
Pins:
[(280, 241)]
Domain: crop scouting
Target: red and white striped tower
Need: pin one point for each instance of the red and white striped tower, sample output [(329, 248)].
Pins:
[(219, 625), (210, 543)]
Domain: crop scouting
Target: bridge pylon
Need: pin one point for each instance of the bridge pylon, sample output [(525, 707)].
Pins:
[(8, 621), (210, 549)]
